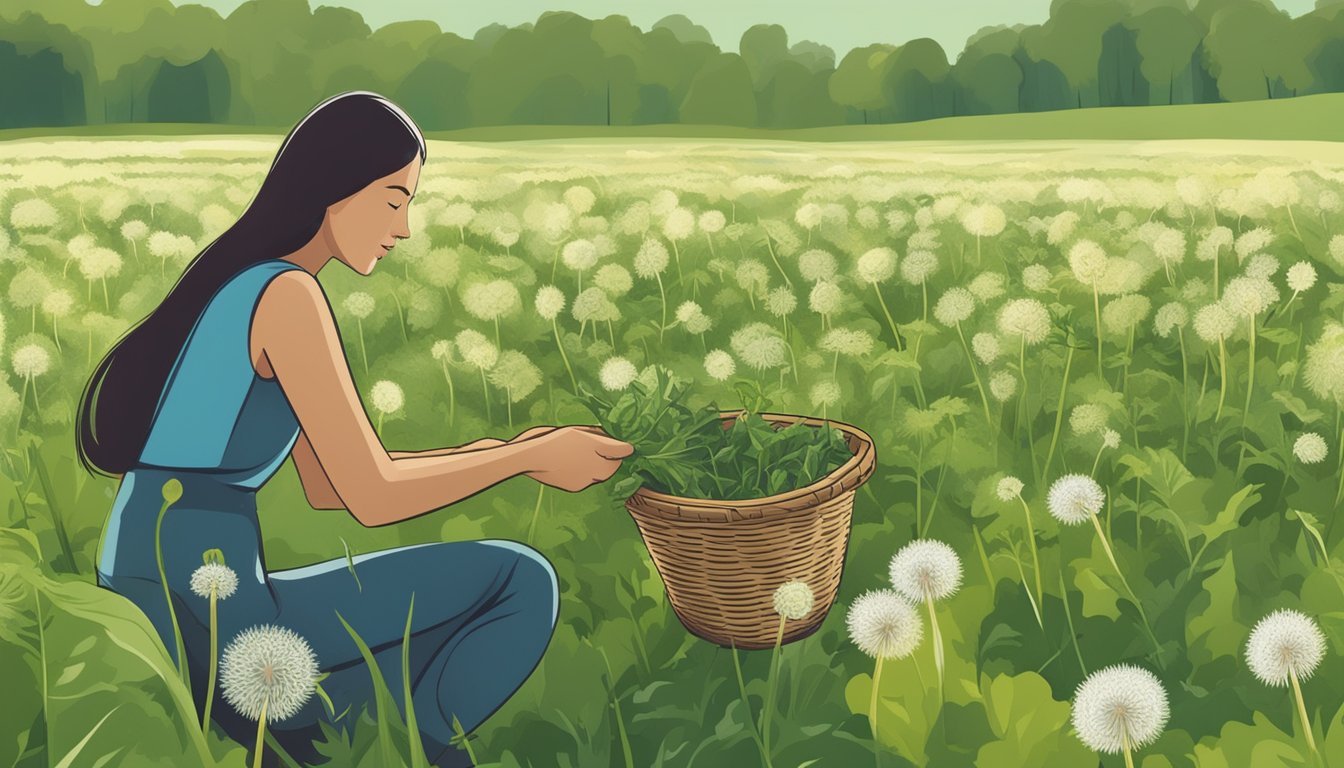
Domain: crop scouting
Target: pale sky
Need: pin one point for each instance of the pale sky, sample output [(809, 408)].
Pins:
[(840, 24)]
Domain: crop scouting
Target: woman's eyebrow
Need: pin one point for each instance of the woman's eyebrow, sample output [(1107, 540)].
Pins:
[(404, 190)]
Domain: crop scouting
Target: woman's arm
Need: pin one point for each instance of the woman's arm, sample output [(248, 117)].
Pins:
[(296, 330), (484, 442)]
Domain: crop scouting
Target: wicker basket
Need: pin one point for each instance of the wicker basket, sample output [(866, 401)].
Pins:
[(721, 561)]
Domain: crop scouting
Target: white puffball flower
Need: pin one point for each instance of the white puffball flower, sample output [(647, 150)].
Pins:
[(613, 279), (1261, 265), (1118, 705), (214, 577), (1088, 262), (878, 264), (679, 224), (1169, 317), (983, 220), (1253, 241), (988, 286), (816, 264), (1301, 276), (780, 301), (918, 266), (1087, 418), (1061, 227), (712, 221), (1213, 323), (1027, 318), (808, 215), (1336, 248), (491, 300), (1245, 296), (476, 349), (986, 347), (617, 373), (793, 599), (31, 360), (825, 393), (100, 263), (579, 255), (387, 396), (825, 298), (954, 306), (651, 259), (1009, 488), (1310, 448), (268, 666), (442, 350), (687, 310), (1284, 643), (851, 342), (359, 304), (550, 302), (719, 365), (1110, 438), (1124, 312), (759, 345), (1036, 277), (884, 625), (1324, 370), (1002, 385), (1212, 242), (1075, 498), (925, 569), (580, 199)]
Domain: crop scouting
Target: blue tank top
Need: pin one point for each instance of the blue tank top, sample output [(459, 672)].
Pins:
[(216, 415)]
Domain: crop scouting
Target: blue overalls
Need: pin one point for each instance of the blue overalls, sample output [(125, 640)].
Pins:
[(484, 610)]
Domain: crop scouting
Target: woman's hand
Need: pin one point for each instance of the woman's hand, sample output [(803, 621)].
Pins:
[(574, 457)]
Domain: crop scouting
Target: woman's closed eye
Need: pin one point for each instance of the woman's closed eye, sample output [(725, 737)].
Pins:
[(394, 207)]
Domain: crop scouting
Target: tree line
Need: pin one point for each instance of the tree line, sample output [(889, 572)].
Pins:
[(64, 62)]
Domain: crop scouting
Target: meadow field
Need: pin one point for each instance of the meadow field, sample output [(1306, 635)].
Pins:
[(1107, 375)]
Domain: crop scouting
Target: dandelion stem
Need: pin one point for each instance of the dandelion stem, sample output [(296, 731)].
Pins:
[(1059, 410), (976, 373), (1124, 738), (616, 704), (261, 733), (1142, 615), (168, 597), (1068, 614), (1250, 375), (1096, 307), (746, 703), (770, 687), (872, 705), (214, 654), (1222, 378), (896, 334), (1302, 708), (1030, 597), (937, 639), (1035, 558)]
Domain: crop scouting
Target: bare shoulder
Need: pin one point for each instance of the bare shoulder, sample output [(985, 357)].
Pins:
[(292, 310)]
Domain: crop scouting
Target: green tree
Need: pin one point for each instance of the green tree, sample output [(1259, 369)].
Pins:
[(721, 93)]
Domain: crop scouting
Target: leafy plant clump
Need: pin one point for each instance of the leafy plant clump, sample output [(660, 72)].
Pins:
[(683, 451)]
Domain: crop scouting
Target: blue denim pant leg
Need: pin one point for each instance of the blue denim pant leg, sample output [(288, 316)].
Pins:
[(483, 616)]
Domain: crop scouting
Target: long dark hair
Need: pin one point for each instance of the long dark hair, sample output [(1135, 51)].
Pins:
[(341, 146)]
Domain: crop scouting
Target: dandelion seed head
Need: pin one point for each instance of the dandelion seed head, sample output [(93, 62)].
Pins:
[(679, 224), (719, 365), (579, 255), (793, 599), (954, 306), (780, 301), (759, 346), (712, 222), (1061, 227), (1086, 418), (1301, 276), (988, 286), (1253, 241), (986, 347), (268, 666), (1036, 277), (1124, 312), (359, 304), (1169, 317), (1074, 498), (476, 349), (387, 396), (1110, 438), (1245, 296), (884, 625), (651, 259), (550, 302), (1310, 448), (1284, 643), (442, 350), (1009, 488), (825, 393), (1214, 323), (983, 220), (214, 577), (31, 360), (825, 298), (1213, 241), (614, 279), (816, 264), (879, 264), (847, 341), (1088, 262), (1324, 369), (686, 310), (926, 569), (1002, 385), (1027, 318), (1118, 704), (580, 199), (919, 266), (617, 373)]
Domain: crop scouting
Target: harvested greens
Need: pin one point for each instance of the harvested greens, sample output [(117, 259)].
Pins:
[(687, 452)]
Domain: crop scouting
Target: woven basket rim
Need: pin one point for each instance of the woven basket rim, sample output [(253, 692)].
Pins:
[(812, 492)]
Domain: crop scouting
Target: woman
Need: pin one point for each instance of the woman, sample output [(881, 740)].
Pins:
[(240, 365)]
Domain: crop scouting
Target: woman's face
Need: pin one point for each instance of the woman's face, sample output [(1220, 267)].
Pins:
[(374, 217)]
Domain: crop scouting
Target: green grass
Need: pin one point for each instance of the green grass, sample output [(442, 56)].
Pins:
[(1309, 118)]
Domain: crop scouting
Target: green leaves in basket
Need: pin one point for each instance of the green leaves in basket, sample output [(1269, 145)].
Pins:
[(686, 451)]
